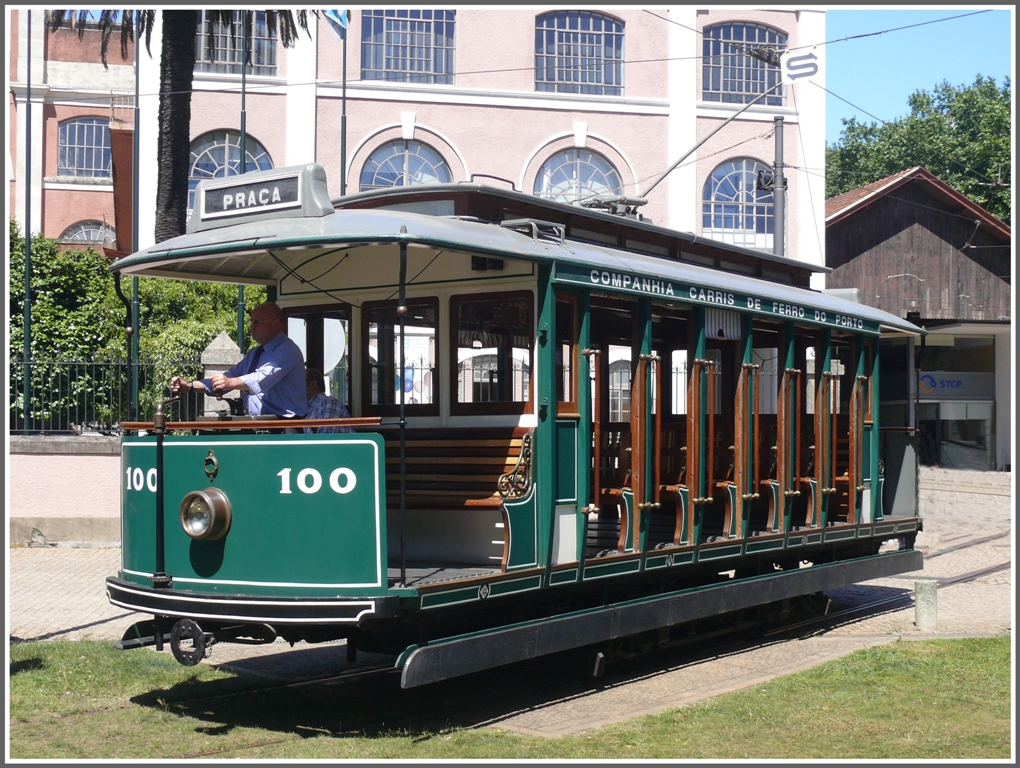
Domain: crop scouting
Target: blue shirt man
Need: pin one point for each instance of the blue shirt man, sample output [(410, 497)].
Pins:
[(271, 374), (321, 405)]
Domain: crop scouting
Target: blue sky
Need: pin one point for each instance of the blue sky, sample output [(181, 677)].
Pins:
[(878, 73)]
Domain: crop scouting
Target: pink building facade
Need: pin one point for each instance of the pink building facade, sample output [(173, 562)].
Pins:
[(569, 103)]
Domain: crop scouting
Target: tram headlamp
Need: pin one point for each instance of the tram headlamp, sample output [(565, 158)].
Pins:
[(206, 514)]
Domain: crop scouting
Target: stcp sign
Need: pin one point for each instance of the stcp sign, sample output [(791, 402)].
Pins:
[(948, 385)]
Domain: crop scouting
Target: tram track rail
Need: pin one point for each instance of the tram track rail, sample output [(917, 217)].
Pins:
[(904, 597), (966, 544)]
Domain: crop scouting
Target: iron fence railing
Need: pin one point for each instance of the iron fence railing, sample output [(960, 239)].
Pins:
[(75, 396)]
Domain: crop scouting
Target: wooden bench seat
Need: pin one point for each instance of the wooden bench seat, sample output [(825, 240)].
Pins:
[(457, 468)]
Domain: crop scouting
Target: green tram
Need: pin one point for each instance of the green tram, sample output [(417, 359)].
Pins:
[(571, 426)]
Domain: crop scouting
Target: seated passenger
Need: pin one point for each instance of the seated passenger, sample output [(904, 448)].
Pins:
[(321, 405), (269, 376)]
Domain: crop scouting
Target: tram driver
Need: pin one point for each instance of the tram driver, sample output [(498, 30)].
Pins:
[(271, 377)]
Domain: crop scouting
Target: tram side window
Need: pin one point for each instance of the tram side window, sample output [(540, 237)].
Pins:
[(566, 348), (323, 335), (382, 380), (492, 352), (768, 391), (836, 366), (669, 341), (619, 382), (678, 378)]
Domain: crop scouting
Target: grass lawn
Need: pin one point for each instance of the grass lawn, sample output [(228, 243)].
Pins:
[(908, 700)]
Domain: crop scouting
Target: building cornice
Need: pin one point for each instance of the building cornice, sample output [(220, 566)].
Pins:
[(415, 93)]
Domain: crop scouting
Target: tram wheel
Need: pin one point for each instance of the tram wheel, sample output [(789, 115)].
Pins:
[(191, 635)]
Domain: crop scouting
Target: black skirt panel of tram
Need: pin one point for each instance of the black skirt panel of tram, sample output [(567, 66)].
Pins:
[(288, 610)]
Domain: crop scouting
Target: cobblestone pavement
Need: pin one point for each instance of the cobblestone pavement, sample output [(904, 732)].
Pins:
[(57, 592)]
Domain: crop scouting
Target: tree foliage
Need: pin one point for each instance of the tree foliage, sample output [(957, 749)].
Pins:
[(76, 313), (962, 134)]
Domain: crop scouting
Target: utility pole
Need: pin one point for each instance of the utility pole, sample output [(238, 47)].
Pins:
[(27, 309), (134, 340), (779, 195)]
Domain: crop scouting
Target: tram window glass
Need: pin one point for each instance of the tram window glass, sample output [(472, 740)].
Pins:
[(492, 339), (768, 379), (845, 368), (612, 332), (836, 397), (619, 382), (678, 380), (381, 380), (669, 331), (323, 336), (566, 347)]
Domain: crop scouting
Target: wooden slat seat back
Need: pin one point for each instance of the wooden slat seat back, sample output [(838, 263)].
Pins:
[(451, 468), (614, 478), (673, 458), (614, 459)]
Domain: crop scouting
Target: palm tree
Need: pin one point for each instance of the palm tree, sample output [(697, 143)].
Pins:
[(176, 74)]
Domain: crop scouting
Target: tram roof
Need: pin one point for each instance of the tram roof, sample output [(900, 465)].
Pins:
[(264, 252), (580, 223)]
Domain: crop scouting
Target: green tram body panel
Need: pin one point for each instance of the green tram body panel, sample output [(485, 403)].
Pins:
[(308, 513)]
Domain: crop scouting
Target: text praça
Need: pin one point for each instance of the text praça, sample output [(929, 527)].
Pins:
[(263, 196)]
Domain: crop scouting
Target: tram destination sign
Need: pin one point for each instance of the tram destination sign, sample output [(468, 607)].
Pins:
[(689, 293), (259, 196)]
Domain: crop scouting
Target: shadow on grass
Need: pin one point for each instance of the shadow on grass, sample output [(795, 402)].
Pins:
[(26, 665), (374, 705), (275, 693)]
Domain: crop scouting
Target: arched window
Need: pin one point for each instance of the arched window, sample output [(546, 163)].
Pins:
[(730, 74), (733, 210), (573, 175), (579, 52), (83, 145), (403, 164), (89, 232), (218, 153)]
